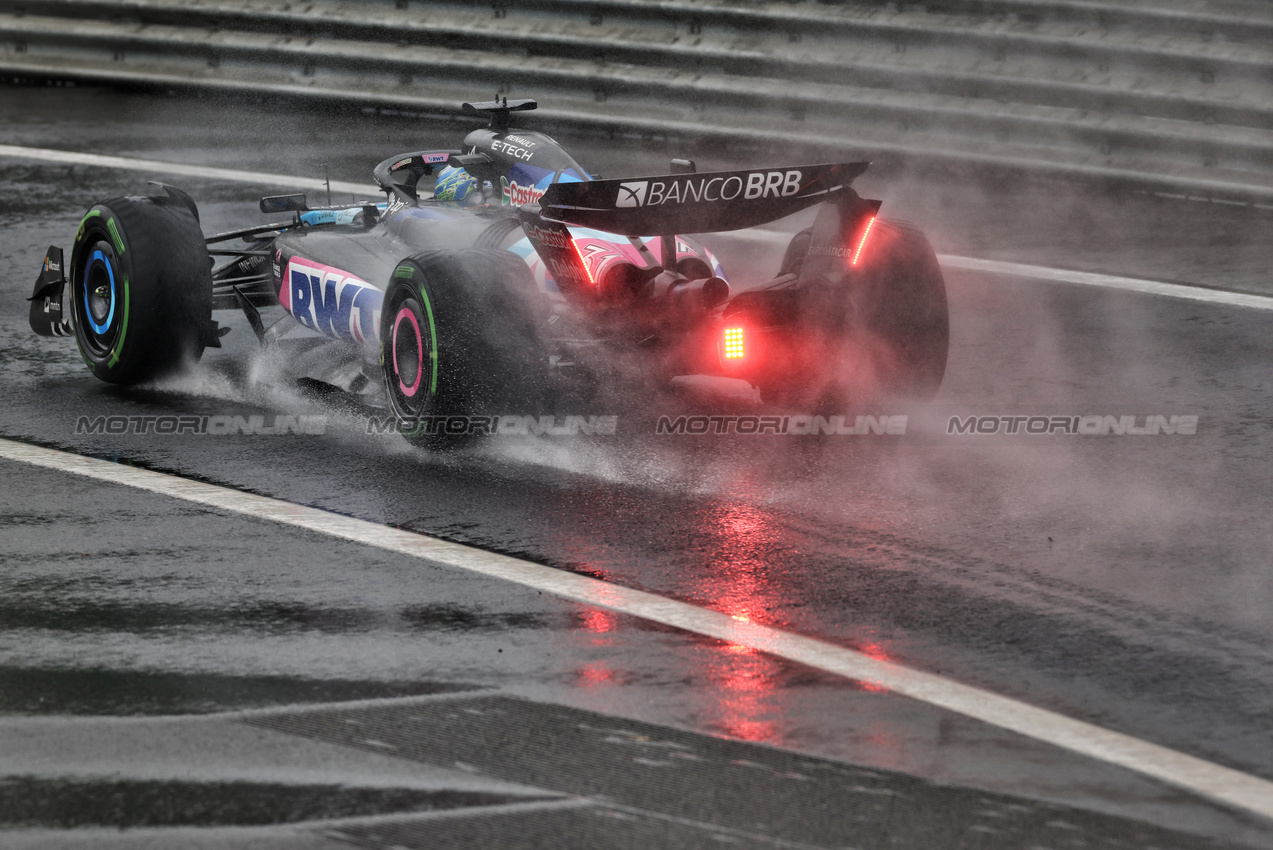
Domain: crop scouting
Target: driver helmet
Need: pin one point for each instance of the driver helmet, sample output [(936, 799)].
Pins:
[(454, 184)]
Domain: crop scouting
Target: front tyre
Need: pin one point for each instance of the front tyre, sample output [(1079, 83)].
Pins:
[(140, 288)]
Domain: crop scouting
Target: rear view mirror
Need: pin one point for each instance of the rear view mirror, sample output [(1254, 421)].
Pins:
[(284, 203)]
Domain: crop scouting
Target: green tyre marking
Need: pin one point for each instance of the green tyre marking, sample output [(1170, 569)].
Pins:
[(115, 237), (433, 341), (404, 271), (90, 214), (123, 329)]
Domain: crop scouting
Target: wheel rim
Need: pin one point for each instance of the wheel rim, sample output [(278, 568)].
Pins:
[(99, 293), (98, 306), (408, 356), (408, 351)]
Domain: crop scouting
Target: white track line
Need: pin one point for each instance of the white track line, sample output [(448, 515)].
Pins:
[(201, 171), (950, 261), (1202, 777), (1127, 284)]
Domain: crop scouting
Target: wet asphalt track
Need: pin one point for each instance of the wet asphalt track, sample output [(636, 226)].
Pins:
[(1120, 580)]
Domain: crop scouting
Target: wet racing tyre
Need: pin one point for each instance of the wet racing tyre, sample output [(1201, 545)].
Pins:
[(461, 335), (140, 288), (797, 250), (882, 332), (901, 312)]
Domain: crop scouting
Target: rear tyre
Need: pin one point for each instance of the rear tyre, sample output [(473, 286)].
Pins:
[(141, 288), (883, 331), (797, 250), (461, 345), (901, 313)]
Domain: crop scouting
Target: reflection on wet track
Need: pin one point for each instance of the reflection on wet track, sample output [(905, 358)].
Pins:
[(1118, 580)]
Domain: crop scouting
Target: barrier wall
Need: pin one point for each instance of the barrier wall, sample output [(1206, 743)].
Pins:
[(1173, 95)]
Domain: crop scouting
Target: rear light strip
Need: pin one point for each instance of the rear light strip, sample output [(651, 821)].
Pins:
[(857, 254)]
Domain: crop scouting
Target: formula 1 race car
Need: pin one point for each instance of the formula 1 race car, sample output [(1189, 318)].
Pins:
[(520, 283)]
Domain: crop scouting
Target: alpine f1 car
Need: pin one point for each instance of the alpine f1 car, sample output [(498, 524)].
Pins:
[(517, 282)]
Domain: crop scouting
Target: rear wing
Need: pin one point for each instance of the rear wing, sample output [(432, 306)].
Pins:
[(700, 202)]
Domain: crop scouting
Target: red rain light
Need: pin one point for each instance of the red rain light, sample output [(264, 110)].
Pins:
[(857, 253), (734, 349), (584, 263)]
